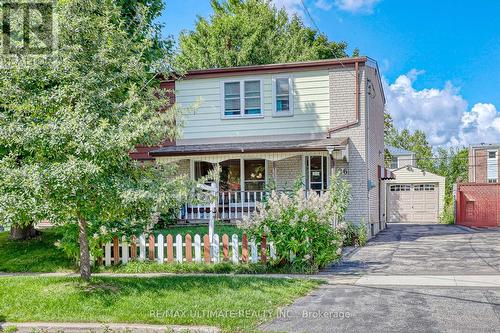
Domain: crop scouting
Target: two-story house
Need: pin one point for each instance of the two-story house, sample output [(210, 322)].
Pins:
[(281, 123), (414, 195), (484, 163)]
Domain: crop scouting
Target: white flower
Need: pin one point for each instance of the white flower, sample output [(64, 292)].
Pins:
[(103, 230)]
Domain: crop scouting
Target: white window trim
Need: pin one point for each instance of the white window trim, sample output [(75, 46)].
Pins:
[(489, 163), (242, 99), (290, 96)]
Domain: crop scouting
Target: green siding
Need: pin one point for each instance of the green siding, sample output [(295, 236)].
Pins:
[(311, 108)]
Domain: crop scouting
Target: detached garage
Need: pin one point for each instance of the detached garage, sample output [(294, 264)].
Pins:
[(414, 196)]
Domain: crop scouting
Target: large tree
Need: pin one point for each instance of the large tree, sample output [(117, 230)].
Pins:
[(252, 32), (68, 121)]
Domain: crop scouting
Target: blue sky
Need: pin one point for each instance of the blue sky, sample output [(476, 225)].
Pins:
[(440, 59)]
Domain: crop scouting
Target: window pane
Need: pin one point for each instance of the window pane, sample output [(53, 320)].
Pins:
[(282, 103), (252, 103), (282, 95), (252, 97), (282, 86), (252, 88), (316, 172), (230, 175), (201, 169), (255, 170), (492, 154), (232, 89), (232, 103), (255, 175)]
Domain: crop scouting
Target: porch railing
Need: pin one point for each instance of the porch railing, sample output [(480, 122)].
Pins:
[(230, 205)]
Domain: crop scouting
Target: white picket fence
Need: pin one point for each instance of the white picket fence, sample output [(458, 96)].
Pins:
[(163, 249)]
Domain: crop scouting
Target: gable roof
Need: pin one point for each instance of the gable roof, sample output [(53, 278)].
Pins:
[(271, 68), (398, 151)]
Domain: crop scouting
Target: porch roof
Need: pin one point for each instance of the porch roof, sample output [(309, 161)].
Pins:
[(250, 147)]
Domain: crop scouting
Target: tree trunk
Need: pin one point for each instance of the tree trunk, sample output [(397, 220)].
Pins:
[(84, 250), (18, 232)]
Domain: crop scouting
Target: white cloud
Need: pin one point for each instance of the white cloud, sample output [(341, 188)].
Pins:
[(441, 113), (291, 6), (481, 124), (324, 4), (357, 6)]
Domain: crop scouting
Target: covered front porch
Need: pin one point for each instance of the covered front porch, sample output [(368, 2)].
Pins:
[(250, 170)]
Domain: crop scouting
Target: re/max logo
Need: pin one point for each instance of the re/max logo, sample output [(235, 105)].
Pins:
[(27, 27)]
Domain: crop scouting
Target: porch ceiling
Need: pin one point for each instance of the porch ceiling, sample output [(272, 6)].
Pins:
[(250, 147)]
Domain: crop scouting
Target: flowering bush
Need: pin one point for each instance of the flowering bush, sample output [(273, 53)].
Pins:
[(301, 226)]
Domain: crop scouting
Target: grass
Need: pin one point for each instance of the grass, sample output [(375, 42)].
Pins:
[(232, 303), (40, 255), (201, 230), (37, 255)]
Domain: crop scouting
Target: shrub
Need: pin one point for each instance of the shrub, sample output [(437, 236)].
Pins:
[(353, 235), (301, 226), (448, 215)]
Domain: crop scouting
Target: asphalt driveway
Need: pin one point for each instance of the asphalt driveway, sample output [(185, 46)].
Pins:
[(435, 249), (407, 253)]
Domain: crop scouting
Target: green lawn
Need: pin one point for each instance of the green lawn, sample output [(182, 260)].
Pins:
[(42, 256), (37, 255), (215, 301)]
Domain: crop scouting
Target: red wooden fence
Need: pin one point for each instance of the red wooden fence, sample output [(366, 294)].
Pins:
[(478, 205)]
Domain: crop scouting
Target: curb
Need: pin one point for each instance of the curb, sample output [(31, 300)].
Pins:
[(108, 328)]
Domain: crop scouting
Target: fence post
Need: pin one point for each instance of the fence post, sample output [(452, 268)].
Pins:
[(244, 248), (124, 250), (107, 254), (178, 248), (272, 251), (151, 247), (235, 257), (189, 249), (206, 248), (116, 251), (142, 247), (133, 247), (197, 248), (161, 248), (225, 247), (216, 248), (253, 247), (263, 249), (170, 248)]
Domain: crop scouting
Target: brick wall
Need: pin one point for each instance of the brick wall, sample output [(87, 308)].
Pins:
[(184, 167), (342, 111), (375, 117), (478, 164), (287, 172)]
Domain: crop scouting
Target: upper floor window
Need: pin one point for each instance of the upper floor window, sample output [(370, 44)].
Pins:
[(394, 162), (282, 96), (492, 166), (242, 98)]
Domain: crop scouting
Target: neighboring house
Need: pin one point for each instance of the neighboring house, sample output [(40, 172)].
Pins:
[(484, 163), (401, 158), (282, 122), (478, 201), (415, 195)]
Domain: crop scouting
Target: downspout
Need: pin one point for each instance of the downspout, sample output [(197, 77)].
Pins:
[(368, 182), (356, 104)]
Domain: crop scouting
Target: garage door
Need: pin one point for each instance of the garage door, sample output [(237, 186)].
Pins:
[(412, 202)]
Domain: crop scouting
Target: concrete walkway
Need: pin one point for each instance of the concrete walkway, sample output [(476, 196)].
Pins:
[(411, 278)]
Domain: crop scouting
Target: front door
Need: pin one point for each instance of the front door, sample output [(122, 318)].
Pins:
[(316, 173)]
